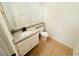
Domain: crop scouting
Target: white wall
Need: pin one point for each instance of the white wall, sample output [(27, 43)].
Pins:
[(62, 20)]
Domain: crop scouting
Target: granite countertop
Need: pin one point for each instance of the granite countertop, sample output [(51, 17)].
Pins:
[(18, 36)]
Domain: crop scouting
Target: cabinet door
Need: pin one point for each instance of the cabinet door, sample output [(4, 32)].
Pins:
[(27, 44), (24, 46), (35, 40)]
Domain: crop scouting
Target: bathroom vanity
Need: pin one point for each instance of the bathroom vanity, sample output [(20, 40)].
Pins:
[(25, 41), (27, 44)]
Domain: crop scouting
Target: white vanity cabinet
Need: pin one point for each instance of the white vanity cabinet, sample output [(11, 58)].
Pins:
[(27, 44)]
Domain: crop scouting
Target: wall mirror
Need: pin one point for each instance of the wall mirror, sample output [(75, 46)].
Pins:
[(22, 14)]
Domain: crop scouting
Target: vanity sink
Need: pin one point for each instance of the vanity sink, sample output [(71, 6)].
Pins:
[(22, 35), (26, 33)]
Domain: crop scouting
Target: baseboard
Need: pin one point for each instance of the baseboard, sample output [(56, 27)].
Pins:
[(52, 37)]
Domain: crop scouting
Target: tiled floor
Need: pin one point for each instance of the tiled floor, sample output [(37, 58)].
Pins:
[(50, 47)]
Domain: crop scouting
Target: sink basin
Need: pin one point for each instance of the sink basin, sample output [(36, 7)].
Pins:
[(22, 36), (26, 33)]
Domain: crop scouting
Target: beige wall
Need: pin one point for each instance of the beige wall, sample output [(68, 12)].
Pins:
[(62, 22)]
